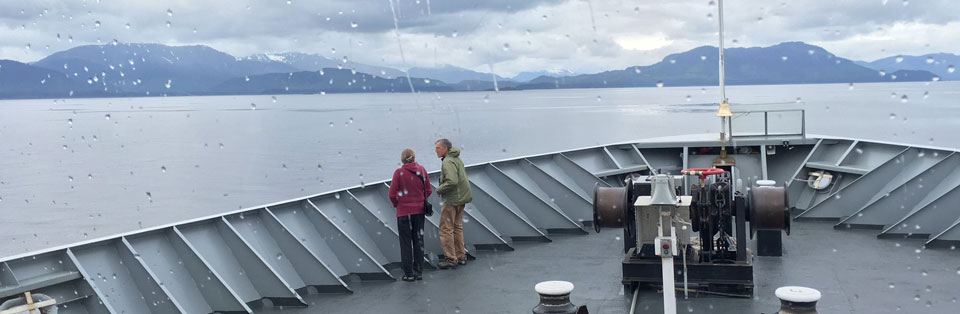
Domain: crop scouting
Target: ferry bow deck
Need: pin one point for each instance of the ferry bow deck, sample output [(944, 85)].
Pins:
[(529, 222)]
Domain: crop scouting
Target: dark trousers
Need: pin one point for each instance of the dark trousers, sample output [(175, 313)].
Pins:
[(411, 243)]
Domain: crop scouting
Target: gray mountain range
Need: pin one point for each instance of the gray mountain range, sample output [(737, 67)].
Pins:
[(154, 69)]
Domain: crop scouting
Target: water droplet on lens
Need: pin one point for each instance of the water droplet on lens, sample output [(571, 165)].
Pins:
[(253, 106), (106, 116), (904, 99), (899, 59), (950, 68), (169, 12), (659, 83), (893, 116), (506, 46), (353, 25)]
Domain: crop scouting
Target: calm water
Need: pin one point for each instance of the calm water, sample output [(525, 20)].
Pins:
[(77, 169)]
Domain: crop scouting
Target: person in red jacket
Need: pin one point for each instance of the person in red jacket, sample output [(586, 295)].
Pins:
[(409, 187)]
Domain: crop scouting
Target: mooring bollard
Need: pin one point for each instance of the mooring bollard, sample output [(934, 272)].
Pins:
[(555, 299), (797, 300)]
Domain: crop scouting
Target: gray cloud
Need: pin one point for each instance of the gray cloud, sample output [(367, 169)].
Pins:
[(510, 36)]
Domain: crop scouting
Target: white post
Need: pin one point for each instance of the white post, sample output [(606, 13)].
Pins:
[(669, 293)]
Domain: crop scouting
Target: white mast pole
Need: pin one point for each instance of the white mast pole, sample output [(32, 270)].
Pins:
[(723, 111)]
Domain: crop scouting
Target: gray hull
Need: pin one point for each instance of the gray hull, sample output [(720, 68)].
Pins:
[(327, 242)]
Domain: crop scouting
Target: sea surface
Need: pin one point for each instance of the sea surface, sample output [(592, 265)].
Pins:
[(77, 169)]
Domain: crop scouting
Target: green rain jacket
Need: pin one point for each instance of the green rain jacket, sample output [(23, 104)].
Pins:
[(454, 188)]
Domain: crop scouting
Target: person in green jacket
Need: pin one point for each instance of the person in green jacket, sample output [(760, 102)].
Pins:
[(454, 191)]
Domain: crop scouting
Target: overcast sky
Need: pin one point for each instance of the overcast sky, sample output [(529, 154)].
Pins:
[(507, 36)]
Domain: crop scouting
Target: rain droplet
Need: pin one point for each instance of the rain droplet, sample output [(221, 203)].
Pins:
[(163, 169), (353, 25), (506, 46), (659, 83), (279, 256), (784, 58), (253, 106), (106, 116), (167, 84), (950, 68), (904, 99), (893, 116), (899, 59), (169, 12), (929, 60), (168, 24), (96, 24)]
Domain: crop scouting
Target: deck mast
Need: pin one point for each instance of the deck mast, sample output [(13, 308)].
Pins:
[(723, 111)]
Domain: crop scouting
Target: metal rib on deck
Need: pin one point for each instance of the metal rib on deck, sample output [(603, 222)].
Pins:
[(228, 263)]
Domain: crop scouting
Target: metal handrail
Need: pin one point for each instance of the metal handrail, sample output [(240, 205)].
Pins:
[(766, 121)]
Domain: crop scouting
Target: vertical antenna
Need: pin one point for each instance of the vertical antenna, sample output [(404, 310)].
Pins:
[(723, 91), (723, 110)]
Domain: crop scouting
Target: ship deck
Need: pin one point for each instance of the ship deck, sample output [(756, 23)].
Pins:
[(528, 223), (855, 272)]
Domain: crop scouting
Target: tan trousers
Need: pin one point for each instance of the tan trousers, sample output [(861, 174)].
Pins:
[(451, 231)]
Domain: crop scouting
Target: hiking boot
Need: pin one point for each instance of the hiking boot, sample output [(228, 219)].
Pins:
[(447, 264), (462, 261)]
